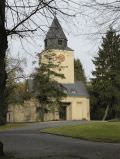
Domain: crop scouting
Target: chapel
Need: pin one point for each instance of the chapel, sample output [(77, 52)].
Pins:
[(76, 105)]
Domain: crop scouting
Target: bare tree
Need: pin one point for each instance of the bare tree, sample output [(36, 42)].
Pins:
[(105, 13), (3, 76), (20, 18)]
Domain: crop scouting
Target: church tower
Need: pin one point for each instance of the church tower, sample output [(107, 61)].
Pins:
[(56, 42)]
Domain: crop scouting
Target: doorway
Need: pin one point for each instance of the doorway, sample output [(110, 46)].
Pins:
[(62, 113), (63, 110)]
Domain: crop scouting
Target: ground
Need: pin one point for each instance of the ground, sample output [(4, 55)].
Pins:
[(30, 143)]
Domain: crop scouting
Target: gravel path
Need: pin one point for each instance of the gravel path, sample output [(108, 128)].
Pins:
[(29, 143)]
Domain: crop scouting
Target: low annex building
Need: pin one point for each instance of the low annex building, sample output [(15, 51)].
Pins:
[(76, 105)]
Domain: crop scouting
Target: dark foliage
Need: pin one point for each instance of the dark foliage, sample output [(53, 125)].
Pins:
[(105, 90)]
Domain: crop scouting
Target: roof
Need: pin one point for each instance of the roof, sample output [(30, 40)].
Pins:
[(67, 49), (76, 89), (55, 31)]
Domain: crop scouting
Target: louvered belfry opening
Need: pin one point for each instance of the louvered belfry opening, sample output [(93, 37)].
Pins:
[(55, 38)]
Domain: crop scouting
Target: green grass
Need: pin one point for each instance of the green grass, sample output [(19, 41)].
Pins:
[(11, 126), (97, 131)]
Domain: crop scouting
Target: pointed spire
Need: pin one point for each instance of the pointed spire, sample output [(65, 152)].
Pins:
[(55, 37), (55, 30)]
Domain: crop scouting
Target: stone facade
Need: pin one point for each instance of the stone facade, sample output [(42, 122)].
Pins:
[(78, 108), (66, 60), (75, 108), (25, 112), (29, 111)]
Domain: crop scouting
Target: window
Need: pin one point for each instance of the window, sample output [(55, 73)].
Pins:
[(73, 91), (79, 102), (45, 43), (59, 42)]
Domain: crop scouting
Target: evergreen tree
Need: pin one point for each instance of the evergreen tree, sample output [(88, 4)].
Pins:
[(48, 91), (78, 71), (106, 84)]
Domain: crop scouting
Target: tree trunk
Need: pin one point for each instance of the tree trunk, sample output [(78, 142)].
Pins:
[(106, 113), (3, 76)]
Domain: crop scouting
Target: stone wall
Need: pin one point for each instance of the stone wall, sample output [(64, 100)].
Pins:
[(66, 60), (29, 111), (79, 108), (25, 112)]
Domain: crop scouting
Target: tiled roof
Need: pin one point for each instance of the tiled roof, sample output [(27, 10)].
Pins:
[(77, 89), (55, 31)]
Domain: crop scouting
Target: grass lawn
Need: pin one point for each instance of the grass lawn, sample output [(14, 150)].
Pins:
[(96, 131), (11, 126)]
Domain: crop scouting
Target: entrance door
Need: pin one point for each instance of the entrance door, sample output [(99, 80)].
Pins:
[(62, 113)]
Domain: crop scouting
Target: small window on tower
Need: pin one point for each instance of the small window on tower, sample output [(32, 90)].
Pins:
[(59, 42), (45, 43)]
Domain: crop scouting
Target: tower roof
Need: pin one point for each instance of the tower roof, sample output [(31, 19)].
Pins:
[(55, 31)]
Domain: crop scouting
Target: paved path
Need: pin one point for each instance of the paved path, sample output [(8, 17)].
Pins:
[(29, 143)]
